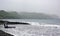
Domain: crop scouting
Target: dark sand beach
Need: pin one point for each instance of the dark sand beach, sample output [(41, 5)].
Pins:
[(2, 33)]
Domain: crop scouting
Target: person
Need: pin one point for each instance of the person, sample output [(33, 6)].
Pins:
[(5, 25)]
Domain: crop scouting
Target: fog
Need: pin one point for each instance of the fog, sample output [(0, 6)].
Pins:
[(39, 6)]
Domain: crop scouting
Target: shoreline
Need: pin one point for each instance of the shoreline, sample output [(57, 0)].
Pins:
[(2, 33)]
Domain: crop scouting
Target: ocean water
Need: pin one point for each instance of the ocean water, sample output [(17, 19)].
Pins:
[(48, 21), (34, 30)]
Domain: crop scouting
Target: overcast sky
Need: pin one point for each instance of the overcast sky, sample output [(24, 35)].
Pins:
[(42, 6)]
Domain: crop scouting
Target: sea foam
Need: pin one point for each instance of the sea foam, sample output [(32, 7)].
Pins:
[(43, 24)]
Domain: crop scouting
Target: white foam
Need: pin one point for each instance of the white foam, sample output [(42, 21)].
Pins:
[(43, 24), (34, 23), (50, 25)]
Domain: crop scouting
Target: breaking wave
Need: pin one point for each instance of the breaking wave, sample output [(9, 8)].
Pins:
[(43, 24)]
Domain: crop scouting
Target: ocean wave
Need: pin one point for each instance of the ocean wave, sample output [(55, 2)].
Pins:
[(43, 24)]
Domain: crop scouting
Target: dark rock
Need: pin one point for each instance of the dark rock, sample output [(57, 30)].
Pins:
[(17, 23), (8, 22)]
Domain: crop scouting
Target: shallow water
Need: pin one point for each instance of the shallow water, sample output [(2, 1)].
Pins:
[(37, 27), (32, 30)]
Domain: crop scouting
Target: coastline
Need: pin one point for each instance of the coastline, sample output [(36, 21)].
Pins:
[(2, 33), (9, 22)]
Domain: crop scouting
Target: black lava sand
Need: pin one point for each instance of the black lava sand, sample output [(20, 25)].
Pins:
[(2, 33)]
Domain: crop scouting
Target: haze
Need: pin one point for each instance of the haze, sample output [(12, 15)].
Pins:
[(40, 6)]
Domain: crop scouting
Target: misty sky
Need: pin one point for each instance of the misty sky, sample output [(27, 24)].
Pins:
[(42, 6)]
